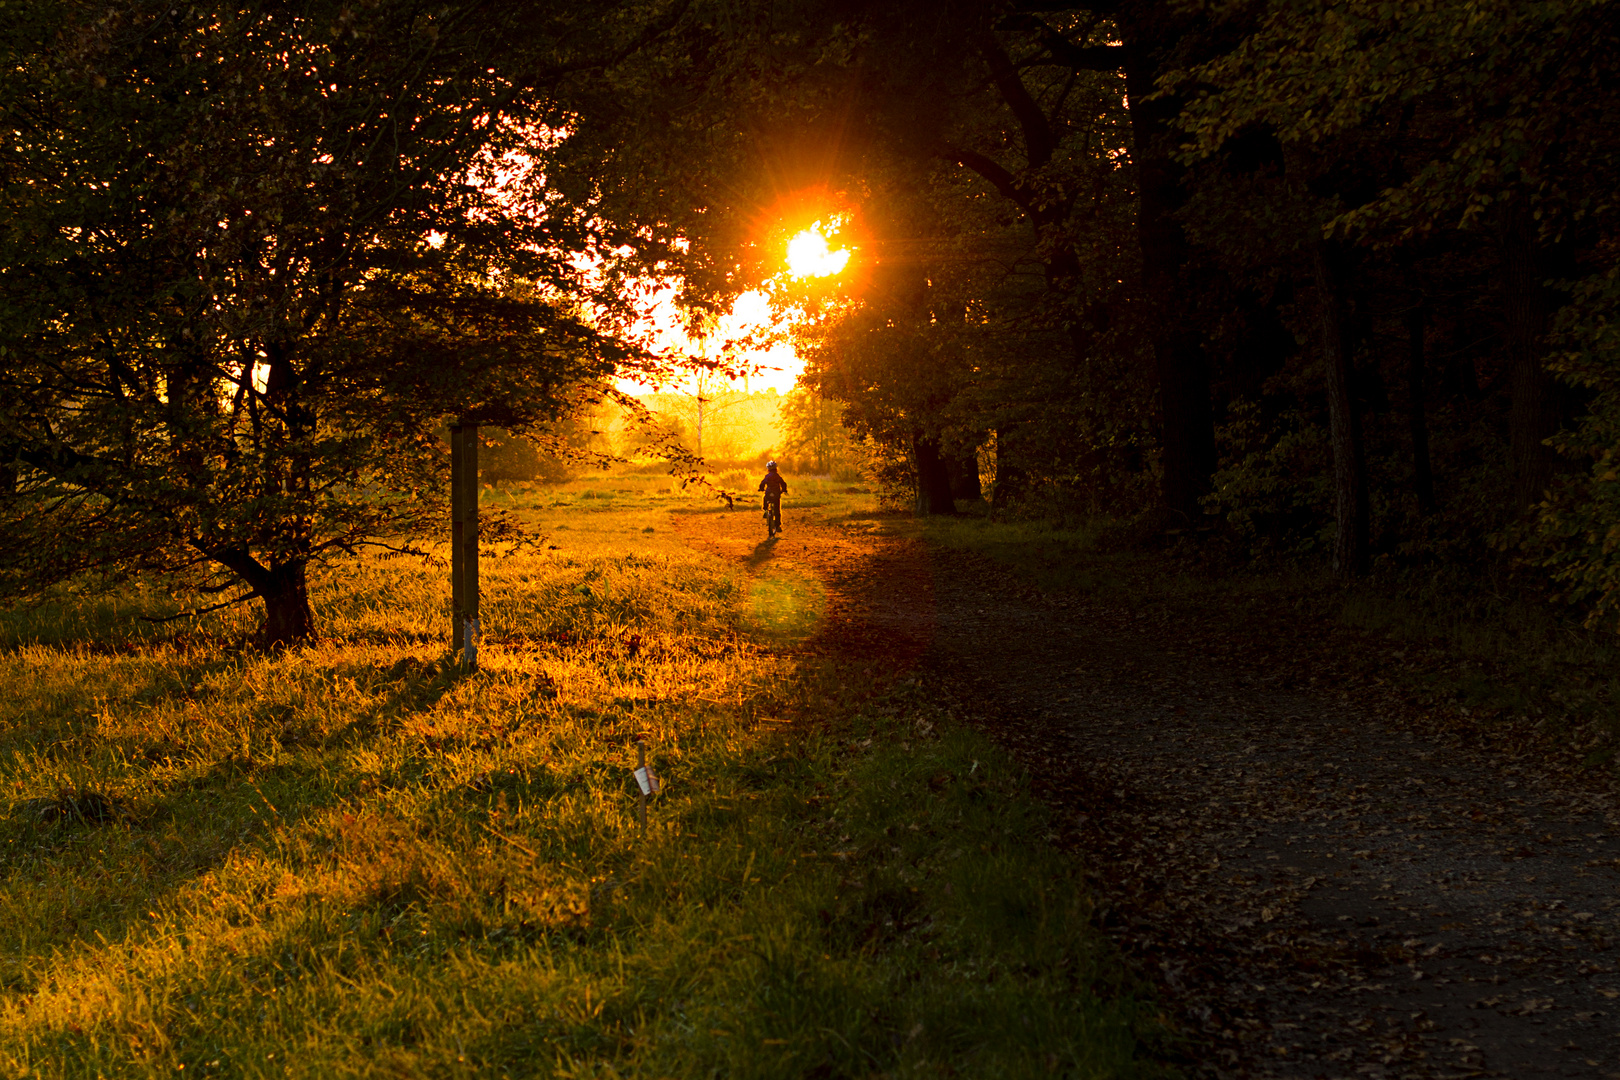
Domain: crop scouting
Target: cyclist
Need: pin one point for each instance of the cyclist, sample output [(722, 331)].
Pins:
[(773, 485)]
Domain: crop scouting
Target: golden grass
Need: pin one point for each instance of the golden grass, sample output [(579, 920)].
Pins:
[(355, 860)]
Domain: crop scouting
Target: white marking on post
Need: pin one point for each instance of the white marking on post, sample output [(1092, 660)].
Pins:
[(648, 780)]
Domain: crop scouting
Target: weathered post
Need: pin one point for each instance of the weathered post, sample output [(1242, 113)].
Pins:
[(458, 503), (469, 539), (464, 541)]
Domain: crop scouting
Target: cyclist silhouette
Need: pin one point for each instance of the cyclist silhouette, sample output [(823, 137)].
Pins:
[(773, 485)]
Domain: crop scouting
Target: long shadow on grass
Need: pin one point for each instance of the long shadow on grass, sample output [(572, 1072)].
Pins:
[(242, 799), (762, 551), (419, 686)]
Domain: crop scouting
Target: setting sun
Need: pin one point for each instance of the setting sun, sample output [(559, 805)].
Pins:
[(809, 256)]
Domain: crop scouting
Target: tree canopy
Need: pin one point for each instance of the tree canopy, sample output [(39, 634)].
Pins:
[(256, 255), (1329, 279), (1325, 278)]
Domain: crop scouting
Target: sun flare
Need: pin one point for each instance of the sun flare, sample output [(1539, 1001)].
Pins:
[(809, 256)]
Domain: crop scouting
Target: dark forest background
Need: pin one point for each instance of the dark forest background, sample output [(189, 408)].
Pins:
[(1326, 279)]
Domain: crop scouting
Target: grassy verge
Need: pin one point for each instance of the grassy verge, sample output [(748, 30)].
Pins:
[(353, 860), (1482, 658)]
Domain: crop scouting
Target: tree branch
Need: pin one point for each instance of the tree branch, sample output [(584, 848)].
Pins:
[(650, 33), (1038, 141), (1004, 181), (241, 563), (397, 550), (1066, 53), (200, 611)]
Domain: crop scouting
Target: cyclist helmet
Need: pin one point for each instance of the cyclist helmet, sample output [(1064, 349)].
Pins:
[(771, 465)]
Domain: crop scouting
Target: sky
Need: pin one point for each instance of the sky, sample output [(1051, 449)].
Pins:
[(751, 331)]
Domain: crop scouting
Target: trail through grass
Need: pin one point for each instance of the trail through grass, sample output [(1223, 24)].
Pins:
[(355, 860)]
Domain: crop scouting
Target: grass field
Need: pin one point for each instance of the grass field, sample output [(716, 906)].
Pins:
[(355, 860)]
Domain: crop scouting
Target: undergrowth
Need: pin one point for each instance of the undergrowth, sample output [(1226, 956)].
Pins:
[(355, 859), (1483, 657)]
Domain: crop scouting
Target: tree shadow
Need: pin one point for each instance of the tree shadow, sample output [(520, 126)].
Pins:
[(247, 793), (419, 684)]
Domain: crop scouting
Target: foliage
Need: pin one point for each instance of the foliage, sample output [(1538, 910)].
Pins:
[(1468, 150), (989, 286), (507, 457), (1448, 159), (1580, 525), (1274, 488), (814, 433), (255, 257), (1515, 100)]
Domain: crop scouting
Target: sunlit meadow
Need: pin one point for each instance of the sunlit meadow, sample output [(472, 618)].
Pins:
[(354, 859)]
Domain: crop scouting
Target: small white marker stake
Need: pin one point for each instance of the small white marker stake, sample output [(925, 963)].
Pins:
[(469, 652), (646, 779)]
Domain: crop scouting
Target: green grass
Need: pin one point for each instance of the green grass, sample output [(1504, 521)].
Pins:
[(355, 860)]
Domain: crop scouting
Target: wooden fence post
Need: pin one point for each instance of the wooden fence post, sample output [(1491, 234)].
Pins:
[(469, 539), (458, 503), (464, 541)]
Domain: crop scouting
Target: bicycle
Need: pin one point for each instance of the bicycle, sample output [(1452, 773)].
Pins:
[(773, 518)]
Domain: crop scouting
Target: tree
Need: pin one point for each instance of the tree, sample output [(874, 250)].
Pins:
[(893, 347), (1509, 101), (1339, 241), (1135, 43), (994, 216), (814, 432), (708, 395), (256, 255)]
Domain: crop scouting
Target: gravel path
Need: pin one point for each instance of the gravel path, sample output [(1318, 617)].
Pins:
[(1318, 887)]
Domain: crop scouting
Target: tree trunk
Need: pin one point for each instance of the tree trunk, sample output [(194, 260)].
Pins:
[(288, 619), (458, 527), (1417, 324), (1189, 431), (1534, 412), (1010, 480), (1179, 361), (964, 474), (1344, 420), (933, 478)]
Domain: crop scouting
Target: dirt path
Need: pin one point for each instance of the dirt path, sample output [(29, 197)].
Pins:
[(1318, 890)]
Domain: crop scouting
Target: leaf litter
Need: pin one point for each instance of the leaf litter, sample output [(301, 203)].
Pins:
[(1321, 879)]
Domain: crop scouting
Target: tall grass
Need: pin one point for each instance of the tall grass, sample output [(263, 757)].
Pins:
[(353, 859)]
